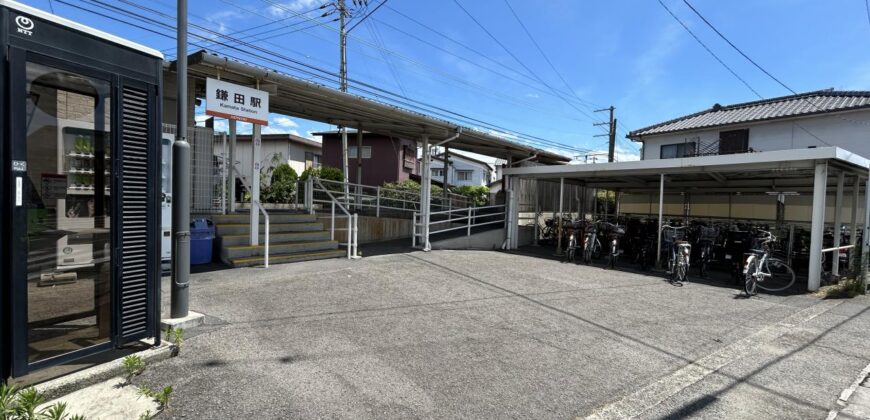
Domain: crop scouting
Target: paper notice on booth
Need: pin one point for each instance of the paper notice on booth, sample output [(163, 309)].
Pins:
[(236, 102)]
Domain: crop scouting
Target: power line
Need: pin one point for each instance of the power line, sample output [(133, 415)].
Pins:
[(319, 73), (447, 76), (377, 37), (763, 70), (867, 6), (730, 70), (367, 15), (522, 64)]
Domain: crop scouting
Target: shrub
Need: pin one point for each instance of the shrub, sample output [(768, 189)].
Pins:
[(478, 195), (282, 188), (327, 173)]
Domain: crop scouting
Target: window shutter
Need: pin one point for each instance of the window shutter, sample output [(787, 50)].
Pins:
[(135, 304)]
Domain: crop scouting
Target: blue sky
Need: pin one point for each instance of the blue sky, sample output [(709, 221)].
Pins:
[(630, 53)]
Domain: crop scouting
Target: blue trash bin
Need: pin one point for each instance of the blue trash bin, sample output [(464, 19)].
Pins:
[(201, 237)]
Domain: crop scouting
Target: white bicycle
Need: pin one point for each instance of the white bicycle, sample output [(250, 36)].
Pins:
[(761, 271)]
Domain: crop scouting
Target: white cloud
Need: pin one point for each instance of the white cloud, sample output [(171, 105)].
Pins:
[(533, 95), (287, 8), (284, 122)]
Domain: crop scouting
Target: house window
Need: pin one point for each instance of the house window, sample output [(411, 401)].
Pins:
[(439, 172), (366, 152), (312, 160), (679, 150), (735, 141), (463, 175)]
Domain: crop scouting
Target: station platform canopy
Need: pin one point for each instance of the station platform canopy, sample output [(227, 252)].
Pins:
[(296, 97)]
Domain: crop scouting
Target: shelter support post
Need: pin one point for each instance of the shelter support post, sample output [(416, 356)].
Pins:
[(817, 229), (617, 206), (344, 166), (359, 165), (255, 184), (853, 223), (661, 214), (445, 178), (865, 246), (559, 220), (838, 224), (537, 226), (232, 167), (425, 197)]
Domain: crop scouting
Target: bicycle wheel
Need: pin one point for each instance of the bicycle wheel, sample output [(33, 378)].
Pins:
[(613, 254), (702, 264), (682, 270), (781, 276), (572, 249), (587, 253), (750, 282)]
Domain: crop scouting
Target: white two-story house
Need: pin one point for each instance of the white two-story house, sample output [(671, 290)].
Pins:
[(814, 119), (462, 170)]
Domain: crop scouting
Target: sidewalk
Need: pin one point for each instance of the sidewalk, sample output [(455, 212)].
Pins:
[(854, 402)]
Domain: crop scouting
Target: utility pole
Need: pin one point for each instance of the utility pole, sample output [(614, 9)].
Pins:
[(611, 134), (342, 75), (181, 180)]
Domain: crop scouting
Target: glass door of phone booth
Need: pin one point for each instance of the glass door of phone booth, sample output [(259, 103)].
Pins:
[(61, 145)]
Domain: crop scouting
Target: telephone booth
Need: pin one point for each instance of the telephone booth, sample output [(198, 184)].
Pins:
[(80, 251)]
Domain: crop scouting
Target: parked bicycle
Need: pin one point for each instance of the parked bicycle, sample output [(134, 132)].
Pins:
[(762, 271), (591, 244), (679, 250), (614, 233), (705, 239), (571, 250)]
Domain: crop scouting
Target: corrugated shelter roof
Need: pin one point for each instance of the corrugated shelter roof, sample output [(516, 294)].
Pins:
[(810, 103)]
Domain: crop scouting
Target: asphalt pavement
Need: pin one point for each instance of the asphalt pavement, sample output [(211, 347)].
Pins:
[(484, 334)]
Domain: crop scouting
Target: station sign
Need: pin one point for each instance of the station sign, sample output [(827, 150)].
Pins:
[(236, 102)]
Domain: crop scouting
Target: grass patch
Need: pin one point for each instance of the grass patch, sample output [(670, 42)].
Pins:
[(845, 289)]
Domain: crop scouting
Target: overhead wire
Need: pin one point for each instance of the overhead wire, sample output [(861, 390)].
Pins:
[(319, 73), (758, 66)]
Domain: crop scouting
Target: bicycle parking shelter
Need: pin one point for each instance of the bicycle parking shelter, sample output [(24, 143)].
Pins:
[(815, 172), (80, 113)]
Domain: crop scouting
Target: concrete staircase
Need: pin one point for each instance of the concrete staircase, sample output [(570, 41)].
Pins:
[(293, 237)]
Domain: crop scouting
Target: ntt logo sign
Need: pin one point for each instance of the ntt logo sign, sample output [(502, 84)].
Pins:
[(25, 25)]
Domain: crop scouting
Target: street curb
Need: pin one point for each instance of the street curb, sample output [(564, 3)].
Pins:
[(843, 400), (64, 385)]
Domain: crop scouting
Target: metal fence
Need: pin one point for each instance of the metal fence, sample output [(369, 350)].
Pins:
[(379, 201), (208, 177)]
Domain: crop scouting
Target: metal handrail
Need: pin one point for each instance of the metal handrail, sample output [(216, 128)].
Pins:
[(470, 217), (382, 197), (262, 210), (352, 220)]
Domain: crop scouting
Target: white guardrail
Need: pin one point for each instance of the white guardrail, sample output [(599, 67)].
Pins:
[(352, 228), (467, 218)]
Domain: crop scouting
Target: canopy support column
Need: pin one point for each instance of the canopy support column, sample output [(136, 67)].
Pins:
[(838, 225), (661, 214), (425, 189), (853, 223), (232, 167), (255, 185), (817, 229), (559, 220), (537, 213)]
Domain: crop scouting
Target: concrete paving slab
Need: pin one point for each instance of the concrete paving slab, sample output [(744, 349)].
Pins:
[(109, 400), (482, 334)]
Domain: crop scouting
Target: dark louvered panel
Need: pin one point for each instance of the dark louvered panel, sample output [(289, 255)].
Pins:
[(134, 291)]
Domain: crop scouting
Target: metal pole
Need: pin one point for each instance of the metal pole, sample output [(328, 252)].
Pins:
[(256, 141), (378, 202), (661, 214), (853, 225), (838, 223), (617, 206), (232, 186), (537, 213), (865, 247), (817, 229), (181, 180), (224, 176), (359, 164), (559, 220), (425, 196)]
